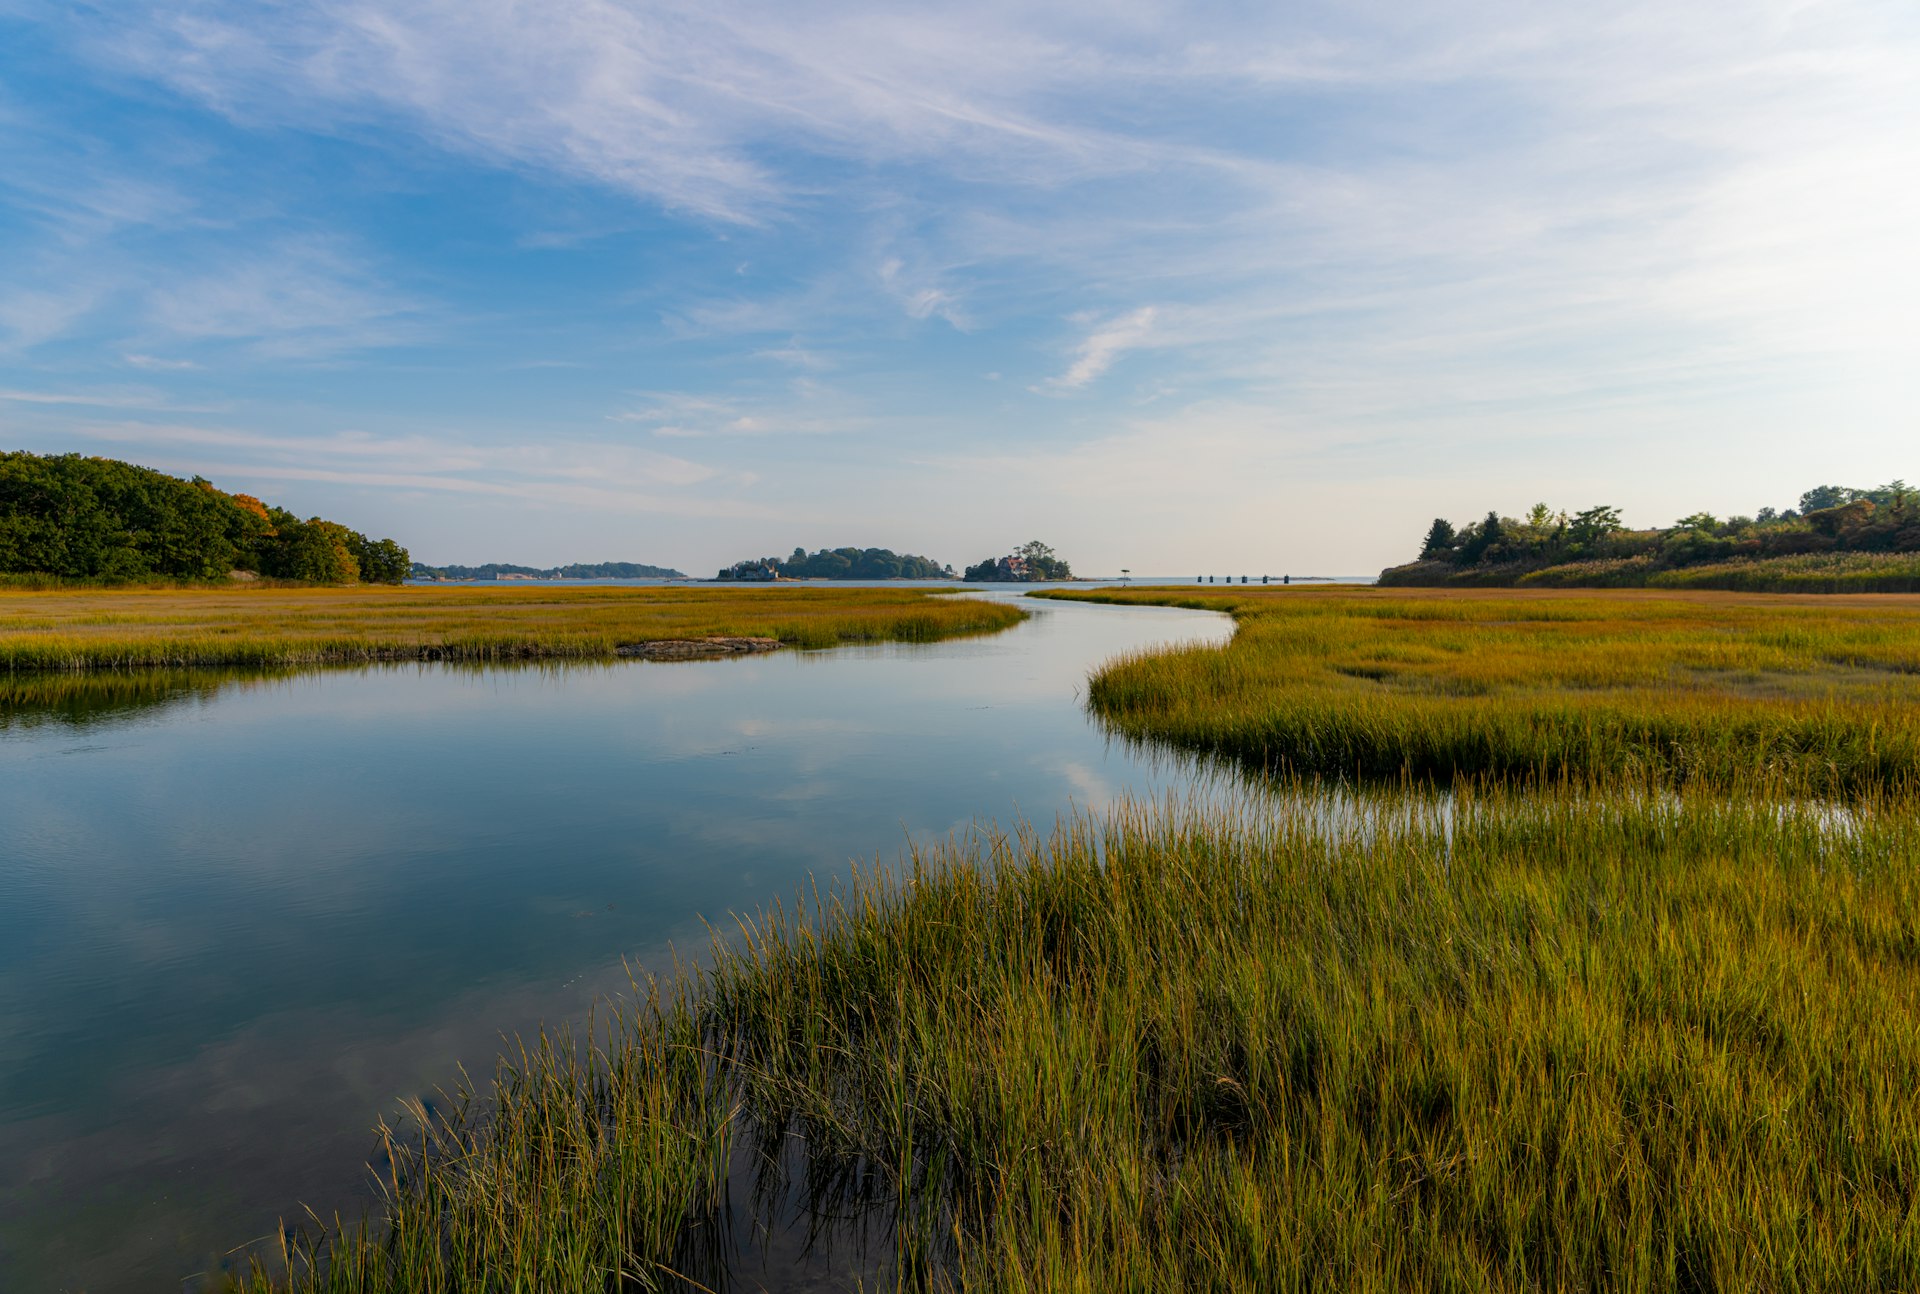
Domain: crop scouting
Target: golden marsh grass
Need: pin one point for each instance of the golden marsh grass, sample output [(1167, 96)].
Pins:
[(1648, 1024), (120, 628), (1821, 691)]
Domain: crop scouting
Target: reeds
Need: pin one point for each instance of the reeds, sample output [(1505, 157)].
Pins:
[(273, 627), (1684, 688), (1495, 1040)]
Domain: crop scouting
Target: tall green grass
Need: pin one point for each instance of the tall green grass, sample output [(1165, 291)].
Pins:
[(1683, 688), (1489, 1041), (276, 627)]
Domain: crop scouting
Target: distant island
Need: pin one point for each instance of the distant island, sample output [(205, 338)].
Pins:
[(1838, 539), (840, 564), (1031, 561), (99, 520), (577, 571)]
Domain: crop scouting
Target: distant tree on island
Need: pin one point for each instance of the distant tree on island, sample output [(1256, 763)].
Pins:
[(77, 517), (840, 564), (1829, 519), (576, 571), (1032, 560)]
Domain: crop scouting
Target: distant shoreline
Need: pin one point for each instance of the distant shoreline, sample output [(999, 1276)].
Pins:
[(95, 629)]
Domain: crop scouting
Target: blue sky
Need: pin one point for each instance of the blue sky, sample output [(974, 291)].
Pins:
[(1247, 288)]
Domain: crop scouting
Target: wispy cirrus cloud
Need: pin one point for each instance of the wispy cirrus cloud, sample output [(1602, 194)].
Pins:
[(1105, 344), (1531, 160), (603, 476), (108, 399), (1382, 226), (803, 407), (686, 104)]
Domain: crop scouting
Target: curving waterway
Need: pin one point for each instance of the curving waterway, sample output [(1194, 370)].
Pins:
[(241, 916)]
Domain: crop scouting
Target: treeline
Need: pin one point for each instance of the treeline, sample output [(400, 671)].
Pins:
[(1032, 560), (840, 564), (577, 571), (1844, 524), (74, 517)]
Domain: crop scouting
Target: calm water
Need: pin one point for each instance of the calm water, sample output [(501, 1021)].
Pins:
[(241, 917)]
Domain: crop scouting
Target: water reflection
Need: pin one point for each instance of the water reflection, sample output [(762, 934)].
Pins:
[(240, 915), (110, 697)]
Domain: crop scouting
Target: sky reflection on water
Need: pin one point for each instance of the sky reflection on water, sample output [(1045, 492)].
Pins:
[(238, 921)]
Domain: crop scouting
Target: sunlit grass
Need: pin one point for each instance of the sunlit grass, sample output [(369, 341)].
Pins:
[(117, 628), (1497, 1041), (1713, 687), (1806, 573), (1617, 1006)]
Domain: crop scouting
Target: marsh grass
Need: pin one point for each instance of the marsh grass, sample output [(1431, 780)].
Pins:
[(1805, 573), (1497, 1040), (1721, 689), (1635, 1024), (274, 627)]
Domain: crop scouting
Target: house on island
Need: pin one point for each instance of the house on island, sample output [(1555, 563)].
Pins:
[(765, 570), (1012, 569)]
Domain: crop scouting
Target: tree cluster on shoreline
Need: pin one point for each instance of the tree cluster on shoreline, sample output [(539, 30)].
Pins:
[(1032, 560), (1830, 519), (840, 564), (70, 516), (576, 571)]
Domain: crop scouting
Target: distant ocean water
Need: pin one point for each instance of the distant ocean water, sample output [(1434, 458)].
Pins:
[(1092, 582)]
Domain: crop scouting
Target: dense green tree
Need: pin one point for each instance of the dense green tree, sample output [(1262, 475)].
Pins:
[(96, 518), (381, 561), (1822, 497), (1482, 539), (845, 564), (1593, 525), (1844, 519), (1440, 541), (1886, 518), (1043, 562), (316, 551)]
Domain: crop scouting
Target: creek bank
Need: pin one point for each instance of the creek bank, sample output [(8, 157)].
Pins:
[(696, 648)]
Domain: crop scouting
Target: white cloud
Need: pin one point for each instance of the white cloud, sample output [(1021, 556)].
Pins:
[(802, 408), (918, 296), (297, 298), (682, 102), (102, 400), (1378, 225), (117, 398), (1105, 344), (32, 315), (608, 477), (1476, 171), (797, 356)]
